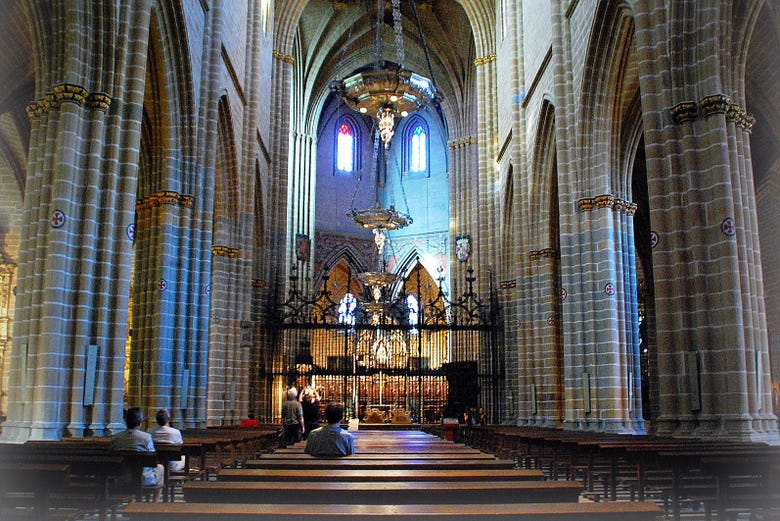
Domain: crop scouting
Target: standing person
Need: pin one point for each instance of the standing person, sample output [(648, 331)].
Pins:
[(310, 402), (331, 440), (292, 418), (135, 439), (164, 434), (482, 416)]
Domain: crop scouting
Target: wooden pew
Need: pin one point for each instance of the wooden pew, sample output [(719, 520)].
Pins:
[(388, 463), (636, 511), (40, 479), (390, 493), (292, 456), (379, 475)]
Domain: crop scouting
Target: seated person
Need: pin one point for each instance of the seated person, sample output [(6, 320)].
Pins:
[(134, 439), (164, 434), (330, 440), (250, 421)]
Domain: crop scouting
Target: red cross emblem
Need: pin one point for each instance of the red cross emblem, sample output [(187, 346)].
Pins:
[(653, 239), (162, 284), (609, 289), (728, 226), (57, 219), (551, 320)]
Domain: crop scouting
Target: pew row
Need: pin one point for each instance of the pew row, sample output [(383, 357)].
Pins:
[(636, 511), (389, 493)]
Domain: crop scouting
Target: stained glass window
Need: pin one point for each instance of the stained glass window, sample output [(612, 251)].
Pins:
[(414, 311), (345, 148), (416, 143), (347, 310), (419, 151)]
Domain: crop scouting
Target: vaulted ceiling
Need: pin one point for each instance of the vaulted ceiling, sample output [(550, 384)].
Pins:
[(335, 39)]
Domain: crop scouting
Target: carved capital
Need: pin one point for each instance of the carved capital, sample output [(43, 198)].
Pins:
[(684, 111), (286, 58), (715, 104)]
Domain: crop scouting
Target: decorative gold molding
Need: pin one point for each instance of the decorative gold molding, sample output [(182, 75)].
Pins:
[(623, 206), (462, 142), (283, 57), (740, 117), (604, 201), (259, 283), (546, 253), (586, 204), (165, 197), (684, 111), (99, 101), (485, 59), (225, 251), (70, 93), (714, 104), (508, 284)]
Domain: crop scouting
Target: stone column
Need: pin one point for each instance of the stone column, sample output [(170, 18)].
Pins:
[(7, 303), (74, 256)]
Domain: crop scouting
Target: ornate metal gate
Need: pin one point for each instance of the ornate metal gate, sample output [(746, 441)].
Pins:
[(416, 356)]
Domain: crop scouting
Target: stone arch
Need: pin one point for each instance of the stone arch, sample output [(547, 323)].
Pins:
[(166, 355), (606, 356), (543, 350)]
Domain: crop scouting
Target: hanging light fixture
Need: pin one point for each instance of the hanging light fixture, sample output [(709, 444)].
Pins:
[(386, 93)]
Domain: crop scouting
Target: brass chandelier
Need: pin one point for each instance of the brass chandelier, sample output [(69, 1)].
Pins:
[(387, 93)]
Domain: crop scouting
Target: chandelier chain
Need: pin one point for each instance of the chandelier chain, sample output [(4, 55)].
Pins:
[(399, 33)]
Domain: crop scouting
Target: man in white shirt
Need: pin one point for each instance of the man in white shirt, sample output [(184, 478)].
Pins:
[(164, 434)]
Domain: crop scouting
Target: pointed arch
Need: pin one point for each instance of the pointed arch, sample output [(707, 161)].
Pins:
[(608, 94)]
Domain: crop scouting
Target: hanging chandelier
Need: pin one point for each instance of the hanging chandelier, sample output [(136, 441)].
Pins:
[(386, 93)]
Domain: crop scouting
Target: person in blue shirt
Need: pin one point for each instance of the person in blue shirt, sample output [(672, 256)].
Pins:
[(330, 440)]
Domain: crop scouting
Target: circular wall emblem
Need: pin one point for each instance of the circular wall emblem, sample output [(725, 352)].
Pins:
[(609, 289), (57, 219), (551, 321), (728, 226), (162, 284), (564, 294), (653, 239), (215, 318), (131, 232), (207, 289)]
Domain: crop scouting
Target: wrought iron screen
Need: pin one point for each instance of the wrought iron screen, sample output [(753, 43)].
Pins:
[(383, 362)]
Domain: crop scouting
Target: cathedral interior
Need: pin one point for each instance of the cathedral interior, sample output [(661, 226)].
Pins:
[(559, 211)]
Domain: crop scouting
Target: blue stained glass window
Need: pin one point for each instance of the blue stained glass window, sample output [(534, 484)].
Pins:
[(347, 310)]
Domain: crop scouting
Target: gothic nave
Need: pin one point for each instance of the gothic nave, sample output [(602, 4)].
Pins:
[(564, 217)]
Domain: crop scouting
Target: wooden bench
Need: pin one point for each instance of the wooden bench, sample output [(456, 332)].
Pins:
[(379, 475), (391, 493), (37, 479), (636, 511), (292, 456), (388, 463)]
